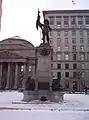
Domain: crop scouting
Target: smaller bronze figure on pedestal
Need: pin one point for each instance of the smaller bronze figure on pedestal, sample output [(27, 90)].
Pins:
[(45, 28)]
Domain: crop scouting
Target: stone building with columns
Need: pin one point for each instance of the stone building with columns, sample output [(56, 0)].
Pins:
[(17, 62)]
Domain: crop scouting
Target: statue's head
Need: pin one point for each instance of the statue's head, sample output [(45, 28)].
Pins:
[(46, 22)]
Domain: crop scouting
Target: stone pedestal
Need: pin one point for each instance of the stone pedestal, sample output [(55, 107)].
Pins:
[(43, 80), (43, 75), (37, 95)]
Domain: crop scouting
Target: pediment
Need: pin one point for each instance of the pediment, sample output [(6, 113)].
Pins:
[(9, 55)]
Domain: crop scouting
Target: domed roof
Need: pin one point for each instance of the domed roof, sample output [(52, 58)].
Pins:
[(16, 40)]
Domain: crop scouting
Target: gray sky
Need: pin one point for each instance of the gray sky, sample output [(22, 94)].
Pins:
[(19, 16)]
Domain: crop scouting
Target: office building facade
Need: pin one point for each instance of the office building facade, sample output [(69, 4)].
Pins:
[(69, 39)]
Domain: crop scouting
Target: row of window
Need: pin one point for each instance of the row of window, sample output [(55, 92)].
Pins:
[(75, 75), (74, 32), (73, 48), (74, 56), (66, 40), (74, 37), (67, 66), (29, 68), (65, 20)]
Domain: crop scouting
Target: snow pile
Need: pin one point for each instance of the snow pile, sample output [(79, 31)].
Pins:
[(74, 107), (72, 102)]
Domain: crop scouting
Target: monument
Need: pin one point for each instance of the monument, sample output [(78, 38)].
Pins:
[(40, 87)]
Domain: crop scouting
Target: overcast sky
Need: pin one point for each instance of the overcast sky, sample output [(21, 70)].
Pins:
[(19, 16)]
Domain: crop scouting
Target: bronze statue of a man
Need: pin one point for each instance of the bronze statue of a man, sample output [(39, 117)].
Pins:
[(45, 28)]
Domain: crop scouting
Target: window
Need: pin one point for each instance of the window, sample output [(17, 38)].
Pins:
[(83, 66), (81, 40), (83, 75), (81, 56), (73, 20), (58, 41), (51, 65), (58, 34), (66, 34), (73, 33), (66, 40), (66, 57), (81, 48), (74, 48), (58, 56), (58, 74), (81, 33), (74, 74), (51, 20), (88, 47), (88, 32), (22, 68), (30, 68), (51, 57), (80, 20), (58, 20), (88, 56), (74, 40), (88, 40), (66, 48), (58, 66), (88, 36), (58, 48), (66, 20), (66, 74), (74, 56), (87, 19), (66, 66), (74, 66)]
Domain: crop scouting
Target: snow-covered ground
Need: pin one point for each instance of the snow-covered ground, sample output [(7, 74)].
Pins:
[(74, 107)]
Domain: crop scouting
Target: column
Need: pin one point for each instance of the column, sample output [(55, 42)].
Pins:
[(84, 21), (0, 75), (8, 77), (77, 21), (16, 76), (25, 76), (27, 70), (62, 20), (69, 22)]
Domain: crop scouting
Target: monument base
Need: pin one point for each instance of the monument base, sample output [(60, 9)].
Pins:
[(40, 94)]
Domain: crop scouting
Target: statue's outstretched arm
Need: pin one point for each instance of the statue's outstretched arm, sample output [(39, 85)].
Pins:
[(40, 24)]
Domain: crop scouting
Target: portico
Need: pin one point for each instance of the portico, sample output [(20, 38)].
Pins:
[(10, 77), (11, 74)]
